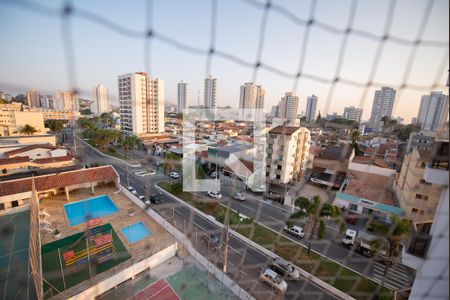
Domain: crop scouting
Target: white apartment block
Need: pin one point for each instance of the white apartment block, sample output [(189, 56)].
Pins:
[(141, 101), (251, 96), (383, 103), (182, 95), (101, 100), (210, 92), (47, 101), (287, 153), (288, 106), (33, 98), (433, 111), (66, 100), (311, 105), (352, 113)]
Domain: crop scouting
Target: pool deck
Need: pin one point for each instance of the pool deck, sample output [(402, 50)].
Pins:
[(157, 241)]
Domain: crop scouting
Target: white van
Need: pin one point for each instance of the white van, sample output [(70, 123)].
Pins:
[(349, 238)]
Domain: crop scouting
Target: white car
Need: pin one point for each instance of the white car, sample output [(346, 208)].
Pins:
[(216, 195), (273, 279), (137, 173), (142, 198), (238, 196), (174, 175), (214, 174), (295, 230), (145, 174), (132, 190)]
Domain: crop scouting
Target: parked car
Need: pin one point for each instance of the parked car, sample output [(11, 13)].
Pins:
[(142, 198), (213, 241), (351, 218), (214, 174), (174, 175), (216, 195), (295, 230), (285, 268), (132, 190), (137, 173), (156, 198), (156, 163), (239, 196), (349, 238), (363, 247), (273, 279), (273, 197)]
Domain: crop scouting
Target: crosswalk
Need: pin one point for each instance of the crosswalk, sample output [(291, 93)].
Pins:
[(397, 277)]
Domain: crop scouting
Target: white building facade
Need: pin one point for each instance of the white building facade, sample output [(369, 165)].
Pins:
[(251, 96), (383, 103), (311, 105), (288, 106), (66, 100), (182, 95), (101, 100), (352, 113), (287, 153), (433, 111), (141, 101), (210, 92)]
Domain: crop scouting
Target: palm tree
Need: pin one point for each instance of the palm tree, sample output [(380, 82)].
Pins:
[(316, 213), (130, 142), (355, 139), (28, 130)]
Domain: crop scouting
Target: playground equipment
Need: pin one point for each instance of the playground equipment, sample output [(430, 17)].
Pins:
[(99, 246)]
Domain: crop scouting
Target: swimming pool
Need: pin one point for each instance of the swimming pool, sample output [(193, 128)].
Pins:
[(81, 211), (135, 232)]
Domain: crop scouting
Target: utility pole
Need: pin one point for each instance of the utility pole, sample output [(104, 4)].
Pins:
[(225, 250), (128, 177)]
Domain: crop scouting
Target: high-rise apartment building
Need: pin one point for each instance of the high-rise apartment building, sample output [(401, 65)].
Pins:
[(33, 98), (383, 103), (211, 92), (182, 95), (47, 101), (433, 111), (352, 113), (274, 111), (287, 153), (141, 102), (311, 105), (101, 100), (288, 106), (66, 100), (251, 96)]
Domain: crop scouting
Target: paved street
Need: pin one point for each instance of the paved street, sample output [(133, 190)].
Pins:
[(273, 216)]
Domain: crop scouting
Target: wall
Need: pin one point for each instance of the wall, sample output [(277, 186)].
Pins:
[(371, 169), (128, 273)]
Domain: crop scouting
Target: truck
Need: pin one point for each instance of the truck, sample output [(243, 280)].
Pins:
[(349, 238), (364, 247)]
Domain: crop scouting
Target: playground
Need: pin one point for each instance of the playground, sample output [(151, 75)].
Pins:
[(81, 256)]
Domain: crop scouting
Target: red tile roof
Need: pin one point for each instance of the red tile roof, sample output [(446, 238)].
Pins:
[(58, 180), (14, 160), (370, 186), (28, 148)]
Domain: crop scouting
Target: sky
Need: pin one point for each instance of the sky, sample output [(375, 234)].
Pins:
[(34, 51)]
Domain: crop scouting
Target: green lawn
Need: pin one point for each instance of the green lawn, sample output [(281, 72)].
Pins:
[(340, 277), (74, 274)]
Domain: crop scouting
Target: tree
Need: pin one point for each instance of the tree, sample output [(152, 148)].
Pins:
[(86, 111), (315, 212), (28, 130), (319, 116), (130, 142), (355, 139), (395, 234), (107, 119), (55, 125), (404, 131)]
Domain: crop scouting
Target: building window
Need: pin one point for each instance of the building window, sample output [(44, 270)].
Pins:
[(278, 167), (2, 206), (353, 207), (278, 176), (15, 203), (418, 196)]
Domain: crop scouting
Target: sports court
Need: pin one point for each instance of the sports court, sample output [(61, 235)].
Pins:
[(158, 290), (14, 263)]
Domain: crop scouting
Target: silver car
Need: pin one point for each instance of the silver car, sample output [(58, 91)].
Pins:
[(239, 196), (285, 268), (273, 279)]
